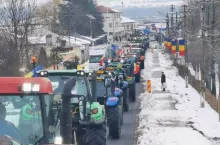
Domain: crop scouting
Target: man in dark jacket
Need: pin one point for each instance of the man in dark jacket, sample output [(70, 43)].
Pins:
[(163, 80)]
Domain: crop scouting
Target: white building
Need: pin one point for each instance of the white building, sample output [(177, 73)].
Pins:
[(112, 22), (129, 25)]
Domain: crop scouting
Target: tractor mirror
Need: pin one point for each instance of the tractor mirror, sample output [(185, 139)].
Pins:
[(52, 128), (107, 82), (57, 98)]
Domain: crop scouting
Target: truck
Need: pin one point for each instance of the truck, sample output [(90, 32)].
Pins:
[(97, 54)]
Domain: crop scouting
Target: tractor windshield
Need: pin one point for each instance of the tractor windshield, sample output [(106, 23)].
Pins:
[(58, 83), (100, 89), (95, 58), (21, 119)]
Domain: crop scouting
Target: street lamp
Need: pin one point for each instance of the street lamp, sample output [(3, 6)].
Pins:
[(91, 18)]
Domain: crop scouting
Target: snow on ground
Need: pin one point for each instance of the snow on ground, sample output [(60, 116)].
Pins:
[(173, 117)]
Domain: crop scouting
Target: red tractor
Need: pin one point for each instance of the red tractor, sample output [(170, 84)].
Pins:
[(24, 110)]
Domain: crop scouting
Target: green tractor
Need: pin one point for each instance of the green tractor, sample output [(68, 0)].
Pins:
[(125, 71), (75, 109), (112, 98)]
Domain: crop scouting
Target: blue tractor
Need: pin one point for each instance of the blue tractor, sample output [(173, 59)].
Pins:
[(111, 97)]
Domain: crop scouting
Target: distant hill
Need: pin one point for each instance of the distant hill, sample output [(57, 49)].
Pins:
[(142, 8)]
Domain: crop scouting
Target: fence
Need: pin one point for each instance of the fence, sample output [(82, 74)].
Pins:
[(210, 98)]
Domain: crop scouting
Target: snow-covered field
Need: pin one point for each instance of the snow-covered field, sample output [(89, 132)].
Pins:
[(173, 117)]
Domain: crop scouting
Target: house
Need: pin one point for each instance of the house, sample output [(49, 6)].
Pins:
[(129, 25), (41, 37), (112, 22)]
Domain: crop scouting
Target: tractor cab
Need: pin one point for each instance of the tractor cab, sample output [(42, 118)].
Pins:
[(24, 109), (139, 52), (75, 94)]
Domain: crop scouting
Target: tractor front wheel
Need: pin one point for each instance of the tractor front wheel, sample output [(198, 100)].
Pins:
[(132, 92), (114, 121), (125, 100), (96, 135)]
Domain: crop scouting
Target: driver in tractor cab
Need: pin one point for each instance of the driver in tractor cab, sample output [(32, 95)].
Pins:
[(13, 131), (30, 115)]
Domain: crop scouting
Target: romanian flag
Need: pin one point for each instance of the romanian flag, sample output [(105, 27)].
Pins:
[(33, 72), (182, 47), (169, 44), (101, 60), (173, 50)]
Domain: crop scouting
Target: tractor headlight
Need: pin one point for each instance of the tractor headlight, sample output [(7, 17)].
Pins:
[(134, 55), (90, 74), (122, 61), (28, 87), (43, 73), (81, 73), (109, 73), (109, 61), (58, 140)]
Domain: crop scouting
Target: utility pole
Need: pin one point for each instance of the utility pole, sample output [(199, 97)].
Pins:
[(202, 102), (172, 11), (186, 51), (176, 19), (108, 24), (168, 25), (213, 47)]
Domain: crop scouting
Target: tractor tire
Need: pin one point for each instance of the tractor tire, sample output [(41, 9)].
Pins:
[(125, 100), (132, 92), (114, 122), (138, 77), (96, 135)]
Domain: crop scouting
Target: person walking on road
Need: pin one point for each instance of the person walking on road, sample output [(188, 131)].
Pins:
[(163, 81)]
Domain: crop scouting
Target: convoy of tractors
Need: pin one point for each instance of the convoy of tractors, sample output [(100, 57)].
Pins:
[(76, 106)]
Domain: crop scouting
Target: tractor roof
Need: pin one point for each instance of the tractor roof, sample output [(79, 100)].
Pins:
[(11, 85), (71, 72)]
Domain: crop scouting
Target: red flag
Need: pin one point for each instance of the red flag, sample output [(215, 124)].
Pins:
[(181, 53)]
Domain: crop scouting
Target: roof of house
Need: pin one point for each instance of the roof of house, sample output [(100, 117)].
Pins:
[(126, 20), (103, 9)]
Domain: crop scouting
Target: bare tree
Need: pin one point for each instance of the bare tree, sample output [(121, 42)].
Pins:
[(17, 19)]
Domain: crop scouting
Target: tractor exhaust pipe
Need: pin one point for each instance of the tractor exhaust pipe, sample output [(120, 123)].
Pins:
[(66, 116)]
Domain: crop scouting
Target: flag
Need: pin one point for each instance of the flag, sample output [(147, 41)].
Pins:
[(119, 52), (101, 60), (182, 47), (33, 72), (165, 42), (173, 51), (169, 44)]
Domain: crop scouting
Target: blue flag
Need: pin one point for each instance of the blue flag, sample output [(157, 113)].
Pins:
[(38, 68)]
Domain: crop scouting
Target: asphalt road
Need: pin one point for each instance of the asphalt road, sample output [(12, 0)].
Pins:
[(129, 122)]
